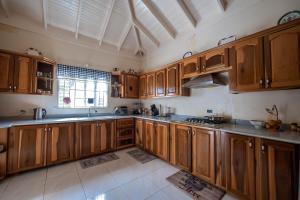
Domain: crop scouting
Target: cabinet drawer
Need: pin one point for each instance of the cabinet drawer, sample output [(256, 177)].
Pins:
[(123, 123)]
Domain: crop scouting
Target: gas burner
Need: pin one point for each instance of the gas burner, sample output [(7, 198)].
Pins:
[(205, 120)]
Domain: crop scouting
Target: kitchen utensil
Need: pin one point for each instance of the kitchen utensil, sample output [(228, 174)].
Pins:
[(257, 124), (154, 110)]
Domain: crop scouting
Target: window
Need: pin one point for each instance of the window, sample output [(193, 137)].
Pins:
[(82, 88)]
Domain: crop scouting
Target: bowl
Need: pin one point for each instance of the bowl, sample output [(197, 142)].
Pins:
[(258, 124)]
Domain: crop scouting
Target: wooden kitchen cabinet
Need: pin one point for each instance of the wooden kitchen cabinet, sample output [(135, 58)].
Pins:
[(183, 147), (131, 86), (160, 83), (240, 165), (94, 138), (143, 86), (86, 139), (149, 136), (277, 175), (162, 140), (172, 80), (190, 67), (248, 65), (3, 154), (215, 60), (26, 148), (125, 133), (282, 60), (220, 163), (203, 154), (60, 143), (23, 75), (139, 133), (172, 144), (6, 72), (16, 73), (150, 85)]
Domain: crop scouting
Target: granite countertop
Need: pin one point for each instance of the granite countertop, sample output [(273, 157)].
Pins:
[(248, 130)]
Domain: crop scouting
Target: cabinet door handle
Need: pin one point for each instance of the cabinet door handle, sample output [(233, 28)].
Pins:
[(250, 144), (203, 67), (263, 148), (267, 83), (9, 87), (194, 133), (15, 87), (45, 130), (49, 130), (260, 81)]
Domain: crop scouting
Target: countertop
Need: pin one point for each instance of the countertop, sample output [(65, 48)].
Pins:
[(284, 136)]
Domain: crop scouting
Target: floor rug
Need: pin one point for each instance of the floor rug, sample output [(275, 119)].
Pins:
[(195, 187), (141, 155), (90, 162)]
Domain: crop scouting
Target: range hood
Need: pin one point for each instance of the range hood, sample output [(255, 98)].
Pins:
[(209, 80)]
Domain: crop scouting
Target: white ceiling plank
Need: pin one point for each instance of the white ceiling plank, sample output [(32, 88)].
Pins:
[(5, 8), (78, 18), (139, 25), (160, 17), (124, 35), (106, 20), (222, 5), (45, 13), (142, 28), (187, 12)]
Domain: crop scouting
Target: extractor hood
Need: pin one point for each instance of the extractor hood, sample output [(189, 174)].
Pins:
[(209, 80)]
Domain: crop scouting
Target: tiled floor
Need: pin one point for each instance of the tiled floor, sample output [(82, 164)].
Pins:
[(122, 179)]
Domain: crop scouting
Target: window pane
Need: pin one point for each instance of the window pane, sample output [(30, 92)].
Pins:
[(80, 94), (90, 94), (80, 85), (90, 85), (79, 103)]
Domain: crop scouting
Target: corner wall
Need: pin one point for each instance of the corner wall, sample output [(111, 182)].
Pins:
[(238, 20)]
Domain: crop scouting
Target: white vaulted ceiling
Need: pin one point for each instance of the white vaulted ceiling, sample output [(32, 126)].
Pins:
[(112, 22)]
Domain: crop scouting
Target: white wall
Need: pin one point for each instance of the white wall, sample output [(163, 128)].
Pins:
[(241, 20), (63, 52)]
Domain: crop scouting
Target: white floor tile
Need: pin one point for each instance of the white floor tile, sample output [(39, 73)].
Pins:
[(140, 188), (159, 176), (174, 193), (67, 187), (60, 170), (115, 194), (229, 197)]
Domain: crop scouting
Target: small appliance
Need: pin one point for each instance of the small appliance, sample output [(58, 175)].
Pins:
[(39, 113), (120, 110)]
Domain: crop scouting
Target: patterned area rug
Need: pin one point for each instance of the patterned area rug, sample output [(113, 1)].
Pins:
[(141, 155), (195, 187), (97, 160)]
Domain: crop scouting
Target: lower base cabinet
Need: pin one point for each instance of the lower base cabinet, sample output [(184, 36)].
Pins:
[(94, 138), (277, 170), (183, 141), (3, 153), (26, 148), (240, 165), (139, 133), (149, 136), (60, 143), (203, 154), (162, 140)]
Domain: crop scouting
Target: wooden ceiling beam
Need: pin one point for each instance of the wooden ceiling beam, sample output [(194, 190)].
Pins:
[(106, 20), (138, 38), (139, 25), (4, 7), (187, 12), (160, 17), (45, 13), (78, 18), (124, 35), (222, 4)]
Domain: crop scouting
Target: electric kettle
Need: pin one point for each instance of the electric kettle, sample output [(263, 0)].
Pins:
[(39, 113)]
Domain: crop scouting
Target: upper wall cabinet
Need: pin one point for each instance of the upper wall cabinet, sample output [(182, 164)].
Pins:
[(131, 86), (282, 50), (143, 86), (248, 64), (150, 85), (172, 80), (215, 60), (21, 73), (190, 67), (15, 73), (160, 83)]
